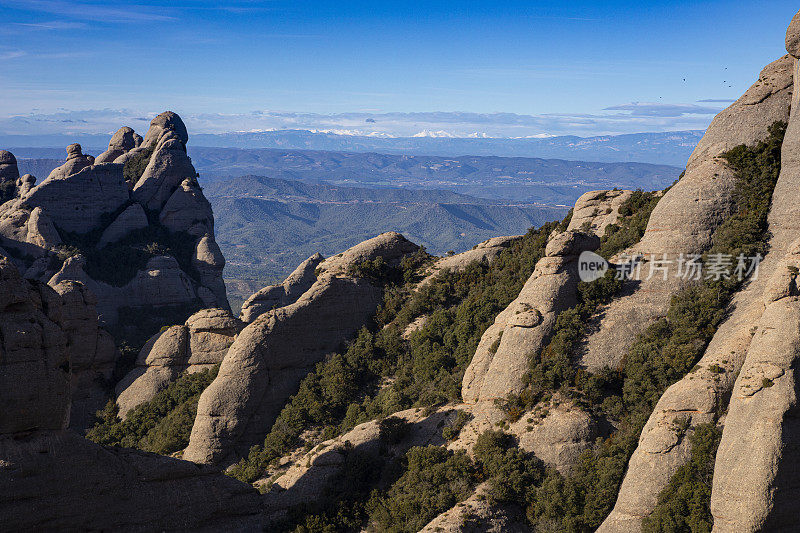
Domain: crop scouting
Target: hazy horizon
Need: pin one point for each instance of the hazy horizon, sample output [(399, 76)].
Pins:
[(379, 69)]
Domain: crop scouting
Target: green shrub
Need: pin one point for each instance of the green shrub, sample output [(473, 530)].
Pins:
[(512, 473), (161, 425), (134, 167), (629, 229), (434, 481), (685, 503), (393, 430), (451, 430)]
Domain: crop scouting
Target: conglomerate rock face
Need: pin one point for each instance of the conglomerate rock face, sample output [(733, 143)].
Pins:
[(685, 218), (91, 197), (57, 231), (266, 362), (198, 345), (48, 338), (273, 296), (701, 396), (500, 362)]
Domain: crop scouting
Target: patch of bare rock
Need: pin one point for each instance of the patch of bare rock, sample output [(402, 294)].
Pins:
[(76, 484)]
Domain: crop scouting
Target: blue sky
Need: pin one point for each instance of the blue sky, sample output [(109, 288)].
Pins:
[(574, 67)]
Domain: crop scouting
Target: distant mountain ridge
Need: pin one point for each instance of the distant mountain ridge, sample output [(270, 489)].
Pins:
[(266, 226), (517, 179), (665, 148)]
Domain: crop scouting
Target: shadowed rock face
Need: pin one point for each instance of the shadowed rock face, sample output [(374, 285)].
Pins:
[(266, 362), (8, 167), (89, 201), (82, 194), (53, 479), (78, 193), (198, 345), (78, 485), (34, 367)]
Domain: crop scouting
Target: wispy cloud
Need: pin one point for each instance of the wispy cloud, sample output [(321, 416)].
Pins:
[(53, 25), (11, 54), (108, 12), (650, 109), (717, 101), (455, 124)]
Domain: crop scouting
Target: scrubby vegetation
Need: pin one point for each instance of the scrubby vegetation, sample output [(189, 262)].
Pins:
[(683, 505), (434, 480), (134, 167), (8, 190), (161, 425), (629, 229), (425, 370), (665, 352), (117, 263)]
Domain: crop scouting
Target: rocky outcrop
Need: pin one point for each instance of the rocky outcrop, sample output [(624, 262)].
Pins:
[(132, 219), (9, 173), (169, 165), (208, 261), (755, 483), (88, 204), (484, 252), (188, 210), (266, 362), (477, 515), (273, 296), (685, 218), (501, 359), (160, 284), (41, 231), (755, 477), (701, 396), (557, 431), (306, 480), (198, 345), (35, 364), (80, 486), (596, 210), (51, 478), (91, 353), (122, 142)]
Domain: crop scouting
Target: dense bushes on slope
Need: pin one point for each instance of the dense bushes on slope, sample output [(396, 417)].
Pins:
[(161, 425), (661, 355), (392, 496), (553, 368), (427, 369), (683, 505), (135, 166), (667, 350), (629, 229)]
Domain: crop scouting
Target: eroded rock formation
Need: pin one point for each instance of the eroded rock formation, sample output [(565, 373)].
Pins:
[(198, 345), (271, 355), (76, 484), (500, 362)]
